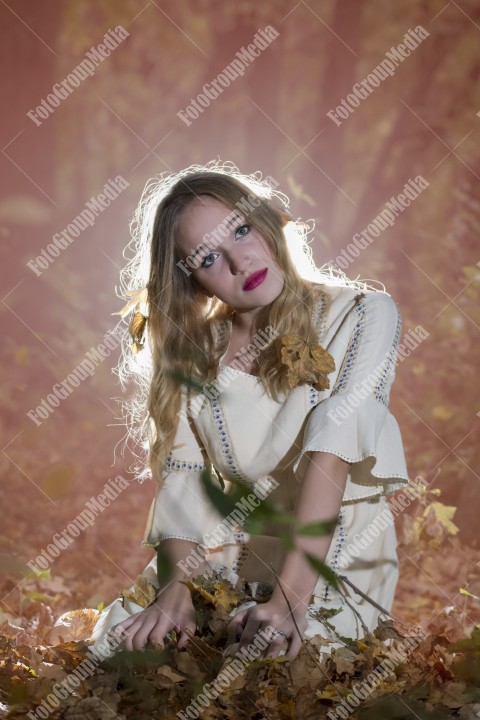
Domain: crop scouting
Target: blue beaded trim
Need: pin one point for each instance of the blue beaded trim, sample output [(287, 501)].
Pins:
[(175, 464), (319, 316), (333, 564), (230, 459), (233, 470), (352, 350), (379, 389), (240, 538), (312, 395)]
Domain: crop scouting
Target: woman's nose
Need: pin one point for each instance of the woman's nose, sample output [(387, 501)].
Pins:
[(239, 262)]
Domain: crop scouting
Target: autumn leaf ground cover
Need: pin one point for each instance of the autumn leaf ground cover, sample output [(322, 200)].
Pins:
[(423, 662)]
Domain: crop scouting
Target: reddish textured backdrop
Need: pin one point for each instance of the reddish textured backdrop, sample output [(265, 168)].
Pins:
[(421, 120)]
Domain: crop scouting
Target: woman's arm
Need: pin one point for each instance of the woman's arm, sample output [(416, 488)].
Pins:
[(319, 499), (178, 550)]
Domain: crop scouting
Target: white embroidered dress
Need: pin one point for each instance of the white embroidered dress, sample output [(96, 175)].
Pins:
[(246, 435)]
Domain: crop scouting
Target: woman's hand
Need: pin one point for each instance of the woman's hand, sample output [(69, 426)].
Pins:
[(274, 613), (172, 609)]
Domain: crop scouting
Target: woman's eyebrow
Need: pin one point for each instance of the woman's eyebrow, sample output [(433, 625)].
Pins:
[(234, 219)]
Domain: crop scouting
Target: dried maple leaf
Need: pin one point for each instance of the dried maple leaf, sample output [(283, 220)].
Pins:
[(306, 361), (73, 625), (443, 514), (225, 596), (220, 593), (206, 594), (69, 654), (143, 593)]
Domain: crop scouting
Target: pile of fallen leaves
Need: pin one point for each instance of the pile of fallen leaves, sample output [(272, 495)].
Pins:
[(439, 678), (43, 644)]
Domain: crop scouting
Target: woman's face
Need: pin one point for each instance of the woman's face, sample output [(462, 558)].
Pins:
[(224, 253)]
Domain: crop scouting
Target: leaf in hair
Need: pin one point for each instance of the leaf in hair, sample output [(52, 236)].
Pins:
[(136, 330), (136, 297)]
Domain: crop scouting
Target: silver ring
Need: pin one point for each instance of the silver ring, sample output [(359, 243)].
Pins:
[(280, 632)]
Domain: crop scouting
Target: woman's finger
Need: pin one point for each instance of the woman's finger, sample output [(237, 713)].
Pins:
[(276, 644), (295, 645), (139, 632), (251, 628), (159, 631), (125, 623), (186, 633), (235, 624)]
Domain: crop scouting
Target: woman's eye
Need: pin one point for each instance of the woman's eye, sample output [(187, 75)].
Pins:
[(241, 228), (205, 259), (245, 228)]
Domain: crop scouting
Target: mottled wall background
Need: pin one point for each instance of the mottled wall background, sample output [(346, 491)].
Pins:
[(422, 120)]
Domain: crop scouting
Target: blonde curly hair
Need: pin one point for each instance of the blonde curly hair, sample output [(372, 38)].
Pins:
[(187, 330)]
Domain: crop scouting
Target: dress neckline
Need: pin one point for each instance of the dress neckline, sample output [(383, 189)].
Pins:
[(235, 370), (240, 372)]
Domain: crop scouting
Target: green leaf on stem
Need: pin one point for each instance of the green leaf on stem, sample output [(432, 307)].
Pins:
[(325, 527), (323, 569)]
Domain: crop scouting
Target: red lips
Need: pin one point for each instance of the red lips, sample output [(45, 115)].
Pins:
[(255, 279)]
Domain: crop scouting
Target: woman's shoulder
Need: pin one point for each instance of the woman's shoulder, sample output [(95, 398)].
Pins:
[(348, 306), (339, 296)]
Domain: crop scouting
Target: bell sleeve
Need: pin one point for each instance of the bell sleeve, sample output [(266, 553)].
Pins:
[(181, 508), (354, 421)]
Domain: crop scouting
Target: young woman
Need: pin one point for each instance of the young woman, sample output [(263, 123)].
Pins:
[(292, 368)]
